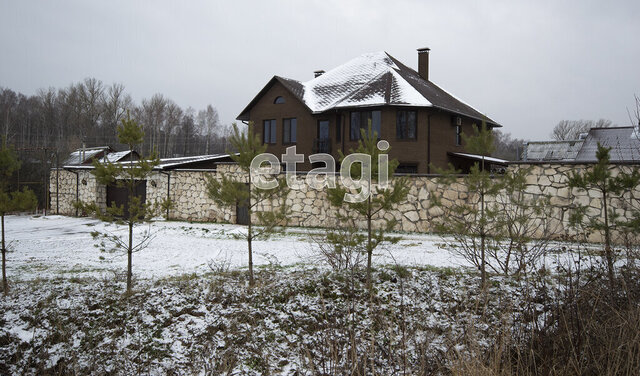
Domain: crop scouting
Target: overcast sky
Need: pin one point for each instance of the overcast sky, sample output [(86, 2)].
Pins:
[(526, 65)]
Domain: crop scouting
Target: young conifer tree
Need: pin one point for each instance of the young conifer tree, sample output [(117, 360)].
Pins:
[(229, 192), (470, 223), (378, 200), (128, 175), (11, 201), (600, 178)]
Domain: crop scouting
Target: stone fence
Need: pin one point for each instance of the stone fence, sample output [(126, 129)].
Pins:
[(310, 207)]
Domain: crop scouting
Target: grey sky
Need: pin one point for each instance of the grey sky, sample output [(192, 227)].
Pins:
[(527, 65)]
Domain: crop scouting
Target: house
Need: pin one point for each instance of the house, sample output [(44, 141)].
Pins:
[(623, 141), (422, 122)]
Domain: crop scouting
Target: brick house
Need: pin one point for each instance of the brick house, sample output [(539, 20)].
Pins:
[(422, 122)]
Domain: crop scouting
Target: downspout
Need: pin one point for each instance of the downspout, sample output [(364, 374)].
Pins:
[(344, 125), (168, 190)]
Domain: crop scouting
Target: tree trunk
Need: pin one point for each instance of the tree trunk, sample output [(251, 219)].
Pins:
[(369, 245), (129, 256), (249, 236), (483, 267), (249, 241), (607, 242), (5, 284)]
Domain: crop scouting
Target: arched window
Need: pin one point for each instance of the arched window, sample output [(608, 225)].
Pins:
[(279, 100)]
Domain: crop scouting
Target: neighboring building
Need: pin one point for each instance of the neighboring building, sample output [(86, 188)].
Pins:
[(623, 141), (75, 182), (422, 122), (86, 156), (556, 151)]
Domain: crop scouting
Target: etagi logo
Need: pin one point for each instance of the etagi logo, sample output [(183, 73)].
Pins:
[(318, 178)]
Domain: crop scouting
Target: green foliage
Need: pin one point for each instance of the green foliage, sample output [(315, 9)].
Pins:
[(601, 179), (229, 192), (380, 199), (522, 228), (481, 141), (9, 163), (128, 175), (471, 222), (11, 201), (17, 201), (247, 145)]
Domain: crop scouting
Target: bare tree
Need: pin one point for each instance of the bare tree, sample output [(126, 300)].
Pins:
[(506, 147), (571, 129), (88, 112), (634, 114), (173, 116), (8, 101), (153, 116), (116, 104), (208, 122)]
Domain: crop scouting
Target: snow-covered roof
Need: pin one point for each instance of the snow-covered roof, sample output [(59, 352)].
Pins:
[(372, 79), (115, 156), (169, 163), (552, 150), (623, 141), (480, 157), (85, 155)]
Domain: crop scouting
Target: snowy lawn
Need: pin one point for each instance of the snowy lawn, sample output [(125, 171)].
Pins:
[(53, 246), (298, 320), (66, 312)]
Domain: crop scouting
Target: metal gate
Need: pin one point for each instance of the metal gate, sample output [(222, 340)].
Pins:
[(242, 211), (119, 196)]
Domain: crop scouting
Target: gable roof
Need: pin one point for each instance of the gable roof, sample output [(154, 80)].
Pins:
[(623, 141), (86, 155), (372, 79), (118, 156)]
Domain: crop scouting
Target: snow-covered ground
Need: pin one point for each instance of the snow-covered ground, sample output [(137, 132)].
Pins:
[(66, 311), (55, 246)]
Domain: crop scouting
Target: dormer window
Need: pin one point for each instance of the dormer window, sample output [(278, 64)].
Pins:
[(279, 100)]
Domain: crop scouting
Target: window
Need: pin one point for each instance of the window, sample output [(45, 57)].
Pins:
[(458, 135), (279, 100), (289, 128), (406, 125), (361, 119), (269, 131), (323, 129), (407, 168)]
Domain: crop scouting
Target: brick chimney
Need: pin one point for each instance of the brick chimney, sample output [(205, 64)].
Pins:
[(423, 62)]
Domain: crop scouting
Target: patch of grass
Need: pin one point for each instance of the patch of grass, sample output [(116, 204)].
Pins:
[(445, 271), (401, 271)]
